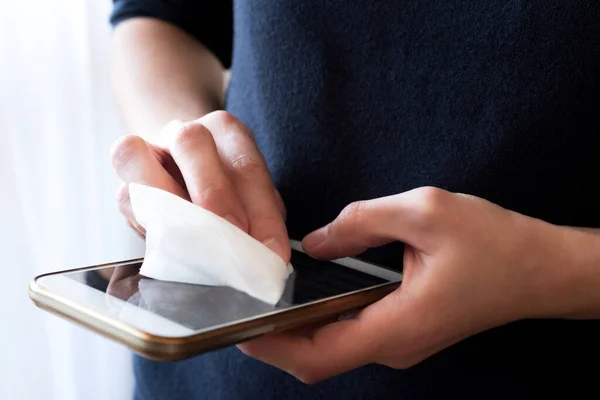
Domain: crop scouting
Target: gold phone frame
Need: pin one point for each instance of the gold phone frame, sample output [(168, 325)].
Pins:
[(161, 348)]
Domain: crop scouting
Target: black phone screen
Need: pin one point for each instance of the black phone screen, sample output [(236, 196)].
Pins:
[(199, 307)]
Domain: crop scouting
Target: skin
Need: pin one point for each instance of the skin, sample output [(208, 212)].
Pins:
[(161, 74), (470, 265)]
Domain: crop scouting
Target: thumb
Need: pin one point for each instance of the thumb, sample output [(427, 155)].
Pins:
[(406, 217)]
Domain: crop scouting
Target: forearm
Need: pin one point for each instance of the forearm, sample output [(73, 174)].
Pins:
[(572, 273), (159, 73)]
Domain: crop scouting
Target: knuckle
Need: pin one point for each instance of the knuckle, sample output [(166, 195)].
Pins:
[(245, 164), (431, 202), (351, 216), (189, 134), (125, 149), (431, 193), (353, 210), (223, 117), (229, 127), (208, 196)]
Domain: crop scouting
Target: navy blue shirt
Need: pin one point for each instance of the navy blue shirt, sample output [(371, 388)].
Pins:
[(354, 100)]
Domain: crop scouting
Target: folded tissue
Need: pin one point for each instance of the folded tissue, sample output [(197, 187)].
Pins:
[(189, 244)]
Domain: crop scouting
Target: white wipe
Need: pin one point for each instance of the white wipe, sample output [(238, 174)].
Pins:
[(186, 243)]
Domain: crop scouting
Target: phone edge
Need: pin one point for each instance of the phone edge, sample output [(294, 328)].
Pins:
[(161, 348)]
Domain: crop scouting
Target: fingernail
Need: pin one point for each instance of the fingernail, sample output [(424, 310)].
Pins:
[(232, 219), (315, 238), (274, 245)]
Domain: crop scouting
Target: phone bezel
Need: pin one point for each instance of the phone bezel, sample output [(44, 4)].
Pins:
[(164, 348)]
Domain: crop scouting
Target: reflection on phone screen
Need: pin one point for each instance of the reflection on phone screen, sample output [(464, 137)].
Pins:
[(199, 307)]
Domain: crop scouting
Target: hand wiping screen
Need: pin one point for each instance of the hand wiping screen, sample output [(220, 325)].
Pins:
[(186, 243)]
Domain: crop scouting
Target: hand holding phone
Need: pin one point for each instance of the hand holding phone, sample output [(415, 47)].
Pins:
[(469, 266)]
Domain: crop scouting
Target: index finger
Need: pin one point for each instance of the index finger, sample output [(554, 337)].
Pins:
[(248, 172), (193, 148)]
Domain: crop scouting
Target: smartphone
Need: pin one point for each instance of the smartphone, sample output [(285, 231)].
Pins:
[(169, 321)]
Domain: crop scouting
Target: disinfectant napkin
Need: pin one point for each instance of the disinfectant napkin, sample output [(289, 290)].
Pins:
[(186, 243)]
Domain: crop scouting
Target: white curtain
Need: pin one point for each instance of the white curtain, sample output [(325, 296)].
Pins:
[(57, 208)]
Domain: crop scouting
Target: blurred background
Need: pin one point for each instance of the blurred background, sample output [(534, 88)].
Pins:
[(57, 190)]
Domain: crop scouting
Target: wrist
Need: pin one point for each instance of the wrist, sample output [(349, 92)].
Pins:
[(566, 278)]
